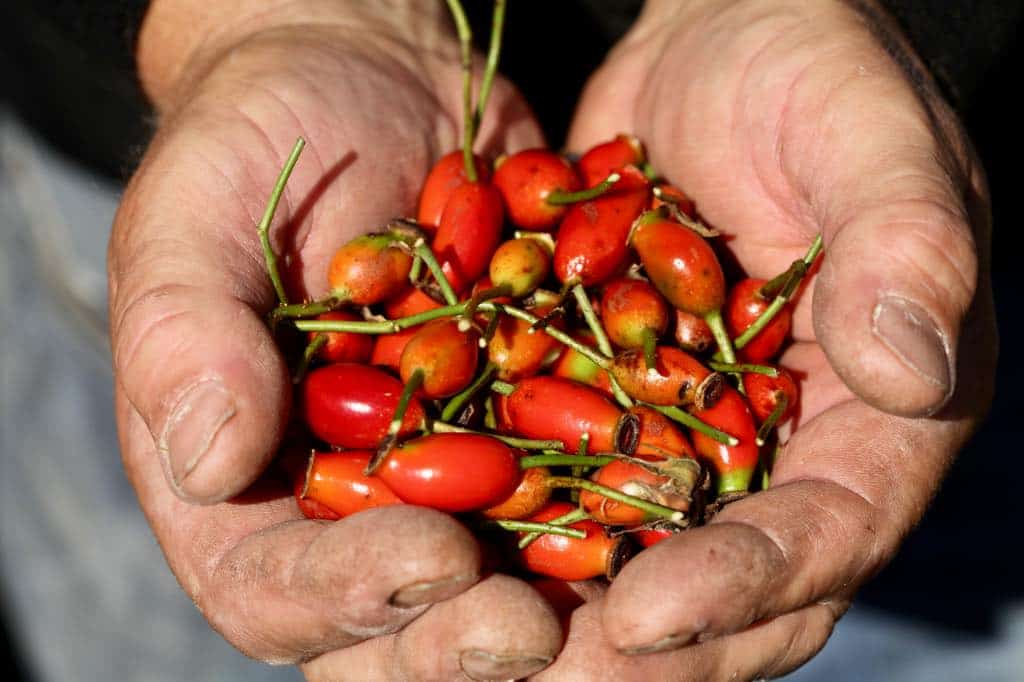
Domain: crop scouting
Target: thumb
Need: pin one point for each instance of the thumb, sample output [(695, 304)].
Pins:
[(901, 266), (190, 351)]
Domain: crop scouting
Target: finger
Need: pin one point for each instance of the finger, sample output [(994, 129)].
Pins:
[(839, 505), (283, 589), (769, 649), (500, 629)]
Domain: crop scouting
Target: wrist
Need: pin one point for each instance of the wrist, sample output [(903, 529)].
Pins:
[(180, 41)]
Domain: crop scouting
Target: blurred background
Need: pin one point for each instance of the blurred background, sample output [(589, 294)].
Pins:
[(84, 591)]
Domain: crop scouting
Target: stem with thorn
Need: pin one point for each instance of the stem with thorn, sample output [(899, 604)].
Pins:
[(691, 422), (268, 216), (563, 520), (512, 441), (653, 509), (766, 428), (459, 401), (743, 367), (538, 529)]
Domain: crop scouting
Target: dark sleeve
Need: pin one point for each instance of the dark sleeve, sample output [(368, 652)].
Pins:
[(69, 71)]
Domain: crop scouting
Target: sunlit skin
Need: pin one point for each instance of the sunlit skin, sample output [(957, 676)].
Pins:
[(525, 180), (783, 119), (368, 270)]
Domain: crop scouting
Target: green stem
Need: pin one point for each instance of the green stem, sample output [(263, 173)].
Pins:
[(650, 340), (559, 198), (533, 527), (312, 348), (744, 368), (491, 68), (416, 270), (503, 387), (521, 443), (268, 216), (691, 422), (600, 337), (766, 428), (456, 404), (466, 51), (564, 460), (415, 381), (308, 309), (781, 299), (718, 330), (564, 520), (650, 508), (421, 249), (486, 295)]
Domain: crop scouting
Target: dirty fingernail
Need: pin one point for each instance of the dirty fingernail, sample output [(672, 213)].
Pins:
[(483, 665), (192, 426), (431, 591), (910, 333)]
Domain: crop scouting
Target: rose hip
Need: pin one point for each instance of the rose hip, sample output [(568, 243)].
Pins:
[(527, 499), (572, 364), (677, 378), (368, 270), (409, 301), (446, 357), (452, 472), (733, 464), (680, 264), (468, 234), (343, 346), (765, 393), (388, 348), (742, 308), (692, 333), (547, 407), (520, 265), (525, 180), (602, 160), (633, 312), (350, 405), (517, 350), (570, 558), (633, 479), (659, 438), (447, 175), (591, 245), (335, 480)]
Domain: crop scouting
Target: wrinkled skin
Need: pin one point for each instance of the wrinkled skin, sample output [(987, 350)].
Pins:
[(780, 119)]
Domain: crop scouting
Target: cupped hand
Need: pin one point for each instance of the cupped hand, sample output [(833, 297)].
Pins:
[(784, 119), (203, 396)]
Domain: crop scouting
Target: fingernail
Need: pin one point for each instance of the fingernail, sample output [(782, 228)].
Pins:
[(428, 592), (673, 641), (483, 665), (910, 333), (192, 426)]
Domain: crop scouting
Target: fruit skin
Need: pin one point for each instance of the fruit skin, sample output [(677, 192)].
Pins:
[(547, 407), (575, 366), (446, 356), (529, 496), (350, 405), (591, 245), (631, 307), (468, 233), (344, 346), (368, 270), (452, 472), (565, 558), (409, 301), (659, 436), (652, 536), (526, 178), (598, 162), (335, 481), (516, 351), (679, 199), (763, 393), (680, 263), (520, 264), (733, 465), (388, 348), (625, 477), (692, 333), (678, 377), (742, 308), (310, 508), (447, 175)]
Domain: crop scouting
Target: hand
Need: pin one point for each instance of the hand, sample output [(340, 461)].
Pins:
[(203, 396), (785, 119)]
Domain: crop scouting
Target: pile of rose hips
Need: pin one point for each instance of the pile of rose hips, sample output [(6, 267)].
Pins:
[(550, 351)]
